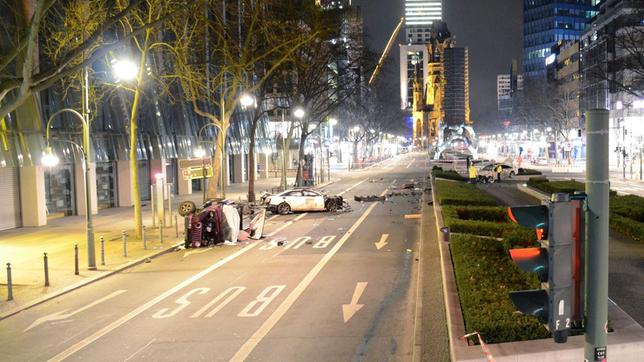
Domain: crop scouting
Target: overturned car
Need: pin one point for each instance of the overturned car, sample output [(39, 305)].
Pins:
[(302, 200), (218, 222)]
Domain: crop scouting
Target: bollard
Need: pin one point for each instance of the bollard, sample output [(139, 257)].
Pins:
[(145, 241), (124, 237), (176, 226), (102, 251), (46, 262), (445, 234), (161, 231), (169, 187), (76, 258), (9, 283)]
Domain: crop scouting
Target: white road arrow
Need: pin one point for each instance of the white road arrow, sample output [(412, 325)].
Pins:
[(348, 310), (382, 242), (62, 315)]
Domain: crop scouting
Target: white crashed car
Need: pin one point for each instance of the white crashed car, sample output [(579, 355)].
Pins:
[(302, 200)]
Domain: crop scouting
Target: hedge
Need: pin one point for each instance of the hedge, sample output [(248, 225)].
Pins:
[(488, 221), (438, 172), (458, 193), (626, 212), (484, 276)]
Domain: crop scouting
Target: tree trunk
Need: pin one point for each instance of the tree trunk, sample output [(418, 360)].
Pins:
[(286, 145), (251, 161), (299, 179), (134, 162), (214, 181)]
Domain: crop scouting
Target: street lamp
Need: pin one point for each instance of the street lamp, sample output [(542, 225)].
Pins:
[(50, 159), (247, 100), (299, 113), (124, 69)]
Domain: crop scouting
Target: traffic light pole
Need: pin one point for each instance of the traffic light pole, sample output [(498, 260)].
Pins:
[(597, 189)]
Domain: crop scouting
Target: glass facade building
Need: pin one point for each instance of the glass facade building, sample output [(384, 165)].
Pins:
[(419, 17), (546, 22)]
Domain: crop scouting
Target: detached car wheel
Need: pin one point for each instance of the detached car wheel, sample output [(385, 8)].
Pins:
[(331, 206), (283, 208), (186, 208), (512, 174)]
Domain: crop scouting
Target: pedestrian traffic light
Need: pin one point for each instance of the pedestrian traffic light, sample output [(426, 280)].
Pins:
[(557, 262)]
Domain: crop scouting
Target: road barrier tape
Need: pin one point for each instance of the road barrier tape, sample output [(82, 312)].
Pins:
[(486, 351)]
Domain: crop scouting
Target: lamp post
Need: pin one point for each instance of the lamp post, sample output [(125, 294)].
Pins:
[(49, 159)]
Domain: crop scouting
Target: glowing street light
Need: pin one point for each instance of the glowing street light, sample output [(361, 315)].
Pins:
[(299, 113), (124, 69), (247, 100), (333, 121), (49, 158), (356, 129)]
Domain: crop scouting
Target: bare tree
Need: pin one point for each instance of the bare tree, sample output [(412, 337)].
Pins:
[(22, 75), (218, 50)]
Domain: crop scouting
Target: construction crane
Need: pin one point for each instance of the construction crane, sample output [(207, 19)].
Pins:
[(385, 54)]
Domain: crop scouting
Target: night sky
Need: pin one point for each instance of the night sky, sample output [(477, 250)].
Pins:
[(491, 30)]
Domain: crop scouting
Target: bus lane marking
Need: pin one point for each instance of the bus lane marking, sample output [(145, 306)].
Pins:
[(248, 347), (151, 303)]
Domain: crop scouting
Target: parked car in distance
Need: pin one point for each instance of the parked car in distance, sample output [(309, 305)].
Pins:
[(302, 200), (488, 174)]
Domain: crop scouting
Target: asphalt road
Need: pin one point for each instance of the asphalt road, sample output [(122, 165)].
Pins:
[(626, 257), (342, 287)]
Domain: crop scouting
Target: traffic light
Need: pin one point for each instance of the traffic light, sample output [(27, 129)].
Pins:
[(558, 263)]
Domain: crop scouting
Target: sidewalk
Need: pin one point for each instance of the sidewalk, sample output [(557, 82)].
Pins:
[(24, 248)]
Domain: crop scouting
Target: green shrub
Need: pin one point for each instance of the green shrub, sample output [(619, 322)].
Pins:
[(565, 186), (457, 193), (629, 206), (629, 227), (485, 275), (450, 174)]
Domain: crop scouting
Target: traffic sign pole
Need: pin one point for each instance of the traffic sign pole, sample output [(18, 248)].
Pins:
[(597, 188)]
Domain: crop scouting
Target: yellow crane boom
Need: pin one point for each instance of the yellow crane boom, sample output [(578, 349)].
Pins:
[(385, 54)]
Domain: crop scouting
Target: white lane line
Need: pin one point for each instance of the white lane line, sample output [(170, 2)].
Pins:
[(272, 217), (409, 165), (284, 226), (124, 319), (350, 188), (248, 347), (287, 224), (300, 216), (140, 349)]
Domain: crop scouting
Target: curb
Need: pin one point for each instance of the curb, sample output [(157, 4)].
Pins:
[(453, 312), (85, 282), (532, 192)]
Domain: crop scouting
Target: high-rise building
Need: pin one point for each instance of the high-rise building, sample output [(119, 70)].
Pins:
[(504, 90), (610, 79), (415, 56), (546, 22), (419, 17), (456, 98)]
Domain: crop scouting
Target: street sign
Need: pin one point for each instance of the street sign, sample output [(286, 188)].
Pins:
[(194, 162), (194, 173)]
